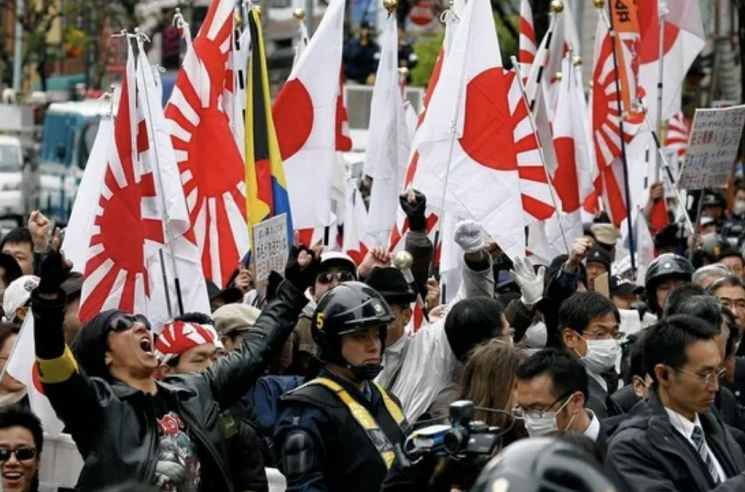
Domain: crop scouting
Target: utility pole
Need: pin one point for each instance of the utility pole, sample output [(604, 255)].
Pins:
[(18, 47)]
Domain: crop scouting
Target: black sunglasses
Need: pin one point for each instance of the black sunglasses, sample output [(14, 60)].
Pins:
[(124, 322), (341, 276), (21, 454)]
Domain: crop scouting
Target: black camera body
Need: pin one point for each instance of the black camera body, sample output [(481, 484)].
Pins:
[(464, 437), (468, 436)]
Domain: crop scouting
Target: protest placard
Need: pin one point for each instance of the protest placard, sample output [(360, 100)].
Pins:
[(270, 248), (712, 148)]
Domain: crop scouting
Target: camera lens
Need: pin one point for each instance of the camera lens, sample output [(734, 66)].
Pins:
[(455, 440)]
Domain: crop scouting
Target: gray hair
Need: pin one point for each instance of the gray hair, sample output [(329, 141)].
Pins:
[(705, 275)]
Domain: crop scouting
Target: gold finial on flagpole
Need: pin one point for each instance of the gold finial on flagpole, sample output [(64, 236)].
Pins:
[(577, 60), (390, 5), (599, 4), (556, 6), (298, 14)]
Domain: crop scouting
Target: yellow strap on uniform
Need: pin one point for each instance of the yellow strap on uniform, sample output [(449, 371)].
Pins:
[(362, 416), (393, 409), (57, 370)]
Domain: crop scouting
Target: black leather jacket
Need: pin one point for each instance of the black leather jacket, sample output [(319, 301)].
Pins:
[(113, 425)]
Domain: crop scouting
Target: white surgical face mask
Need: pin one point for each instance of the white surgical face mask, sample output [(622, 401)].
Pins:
[(601, 355), (739, 208), (546, 423)]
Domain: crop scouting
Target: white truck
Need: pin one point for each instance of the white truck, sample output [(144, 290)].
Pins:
[(67, 137)]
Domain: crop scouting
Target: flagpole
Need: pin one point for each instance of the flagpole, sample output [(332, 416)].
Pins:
[(662, 12), (619, 106), (668, 171), (454, 123), (539, 76), (140, 39)]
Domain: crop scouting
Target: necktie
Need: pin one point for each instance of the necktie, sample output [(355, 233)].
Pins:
[(700, 443)]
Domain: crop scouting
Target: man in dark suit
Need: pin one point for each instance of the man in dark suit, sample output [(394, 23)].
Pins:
[(678, 443), (552, 394)]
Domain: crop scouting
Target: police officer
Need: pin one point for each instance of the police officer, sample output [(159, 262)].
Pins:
[(340, 431), (664, 274)]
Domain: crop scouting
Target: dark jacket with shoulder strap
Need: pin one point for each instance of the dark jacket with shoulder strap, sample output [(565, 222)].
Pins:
[(651, 455), (113, 425), (333, 452)]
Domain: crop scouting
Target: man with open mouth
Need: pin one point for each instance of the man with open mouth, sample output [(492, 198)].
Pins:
[(118, 413)]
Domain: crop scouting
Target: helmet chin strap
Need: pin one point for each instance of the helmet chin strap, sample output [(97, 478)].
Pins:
[(366, 372)]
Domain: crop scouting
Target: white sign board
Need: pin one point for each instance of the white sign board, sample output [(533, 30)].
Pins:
[(270, 248), (712, 148)]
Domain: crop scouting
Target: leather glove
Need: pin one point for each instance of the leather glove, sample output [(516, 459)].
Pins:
[(530, 282), (414, 211), (53, 272), (301, 276), (468, 236)]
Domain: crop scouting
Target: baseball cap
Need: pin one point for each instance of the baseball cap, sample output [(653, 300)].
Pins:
[(232, 318), (605, 233), (337, 258), (620, 286), (18, 293)]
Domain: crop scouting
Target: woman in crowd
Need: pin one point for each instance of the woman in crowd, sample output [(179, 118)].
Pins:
[(21, 441), (488, 381)]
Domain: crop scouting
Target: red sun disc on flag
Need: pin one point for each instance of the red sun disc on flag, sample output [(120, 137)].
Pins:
[(293, 117), (36, 379), (488, 129)]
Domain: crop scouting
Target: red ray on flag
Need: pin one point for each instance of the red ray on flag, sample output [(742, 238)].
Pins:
[(528, 40)]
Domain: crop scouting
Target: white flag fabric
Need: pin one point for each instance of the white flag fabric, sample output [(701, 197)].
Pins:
[(684, 39), (355, 218), (305, 119), (79, 227), (388, 145), (22, 366)]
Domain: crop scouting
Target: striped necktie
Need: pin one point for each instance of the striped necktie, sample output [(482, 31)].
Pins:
[(697, 436)]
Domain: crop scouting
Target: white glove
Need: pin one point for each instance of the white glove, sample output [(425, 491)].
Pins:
[(530, 282), (468, 236)]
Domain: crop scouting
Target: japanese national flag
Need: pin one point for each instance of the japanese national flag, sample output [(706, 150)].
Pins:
[(305, 115), (22, 366), (477, 144)]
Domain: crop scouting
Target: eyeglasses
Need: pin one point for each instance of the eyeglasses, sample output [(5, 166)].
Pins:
[(733, 303), (124, 322), (341, 276), (521, 413), (21, 454), (708, 378)]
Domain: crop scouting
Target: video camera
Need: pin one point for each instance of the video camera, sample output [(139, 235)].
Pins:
[(464, 437)]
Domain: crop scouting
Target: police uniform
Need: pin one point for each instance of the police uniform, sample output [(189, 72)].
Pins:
[(345, 456)]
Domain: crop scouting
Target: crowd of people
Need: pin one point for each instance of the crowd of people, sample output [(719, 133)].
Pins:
[(347, 376)]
